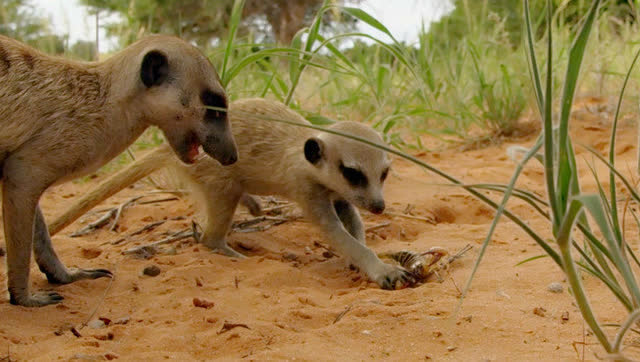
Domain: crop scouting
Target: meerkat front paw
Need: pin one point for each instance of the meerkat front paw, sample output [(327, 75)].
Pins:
[(393, 277)]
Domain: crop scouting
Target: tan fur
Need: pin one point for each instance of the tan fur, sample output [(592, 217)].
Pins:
[(273, 162), (61, 119)]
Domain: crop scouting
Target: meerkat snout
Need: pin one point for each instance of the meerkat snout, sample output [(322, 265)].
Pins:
[(218, 141)]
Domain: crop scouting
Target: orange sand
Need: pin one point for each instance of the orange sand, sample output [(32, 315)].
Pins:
[(290, 304)]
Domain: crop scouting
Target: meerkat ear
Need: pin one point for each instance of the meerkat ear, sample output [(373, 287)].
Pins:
[(313, 150), (154, 69)]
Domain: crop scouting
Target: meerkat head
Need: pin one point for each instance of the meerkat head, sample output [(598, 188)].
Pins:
[(354, 170), (176, 85)]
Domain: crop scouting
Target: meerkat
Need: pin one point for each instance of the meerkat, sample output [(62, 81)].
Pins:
[(325, 174), (61, 119)]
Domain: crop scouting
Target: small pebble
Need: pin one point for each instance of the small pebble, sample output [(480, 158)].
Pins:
[(327, 254), (451, 348), (123, 320), (111, 356), (151, 270), (170, 250), (539, 311), (96, 324), (290, 257), (555, 287), (203, 303), (366, 332), (307, 250)]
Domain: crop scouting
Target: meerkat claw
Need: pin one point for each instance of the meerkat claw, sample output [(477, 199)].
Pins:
[(38, 299), (76, 274)]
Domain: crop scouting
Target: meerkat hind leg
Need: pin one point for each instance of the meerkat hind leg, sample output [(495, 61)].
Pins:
[(49, 262), (18, 209), (220, 207)]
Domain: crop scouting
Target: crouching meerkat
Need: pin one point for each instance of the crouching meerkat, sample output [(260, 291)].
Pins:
[(327, 175), (61, 119)]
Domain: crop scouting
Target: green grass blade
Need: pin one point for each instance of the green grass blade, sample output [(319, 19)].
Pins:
[(593, 204), (236, 15), (507, 195), (531, 59), (541, 256), (628, 323), (368, 19), (612, 145), (632, 191), (547, 117), (567, 172)]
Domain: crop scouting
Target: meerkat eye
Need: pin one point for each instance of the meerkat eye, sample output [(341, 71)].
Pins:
[(354, 177), (384, 175), (212, 99)]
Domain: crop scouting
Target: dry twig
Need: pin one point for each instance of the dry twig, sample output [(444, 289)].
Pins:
[(379, 226), (101, 301), (342, 314), (151, 249), (430, 221), (116, 212), (229, 326), (248, 226)]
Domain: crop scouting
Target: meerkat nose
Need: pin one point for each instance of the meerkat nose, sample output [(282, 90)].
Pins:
[(377, 207)]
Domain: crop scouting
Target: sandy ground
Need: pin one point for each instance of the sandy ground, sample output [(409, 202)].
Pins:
[(288, 295)]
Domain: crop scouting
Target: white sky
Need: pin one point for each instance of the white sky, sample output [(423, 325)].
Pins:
[(403, 18)]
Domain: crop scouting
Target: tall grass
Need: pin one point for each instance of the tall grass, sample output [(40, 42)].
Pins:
[(607, 257)]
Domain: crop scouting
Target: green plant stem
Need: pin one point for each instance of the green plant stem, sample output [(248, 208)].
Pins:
[(631, 319), (563, 238)]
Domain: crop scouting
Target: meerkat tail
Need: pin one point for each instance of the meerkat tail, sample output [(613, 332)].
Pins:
[(139, 169)]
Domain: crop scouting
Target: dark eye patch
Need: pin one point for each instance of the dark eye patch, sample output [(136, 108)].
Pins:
[(212, 99), (384, 175), (354, 177)]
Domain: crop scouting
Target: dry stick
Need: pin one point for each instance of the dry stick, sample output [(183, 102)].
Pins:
[(257, 220), (459, 254), (101, 301), (245, 226), (430, 221), (276, 208), (158, 201), (182, 234), (342, 314), (120, 209), (147, 227), (117, 211), (379, 226), (229, 326), (103, 220)]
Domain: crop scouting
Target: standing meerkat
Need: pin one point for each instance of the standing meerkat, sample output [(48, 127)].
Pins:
[(61, 119), (326, 175)]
